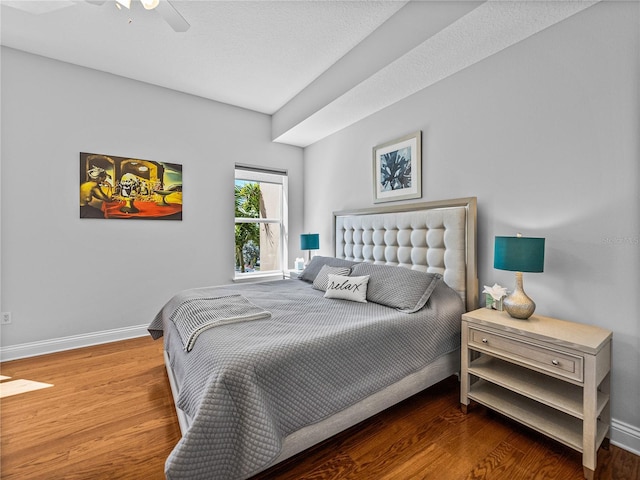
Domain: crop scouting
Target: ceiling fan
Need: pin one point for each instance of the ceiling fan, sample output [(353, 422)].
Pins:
[(163, 7)]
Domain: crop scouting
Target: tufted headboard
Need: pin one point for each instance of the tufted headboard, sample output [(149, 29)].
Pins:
[(438, 237)]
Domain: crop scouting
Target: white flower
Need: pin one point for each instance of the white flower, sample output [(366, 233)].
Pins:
[(496, 292)]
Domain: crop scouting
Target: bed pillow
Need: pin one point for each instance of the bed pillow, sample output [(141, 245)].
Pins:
[(347, 288), (322, 279), (397, 287), (311, 271)]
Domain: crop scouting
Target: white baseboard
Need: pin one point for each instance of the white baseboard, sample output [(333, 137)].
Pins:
[(43, 347), (623, 435)]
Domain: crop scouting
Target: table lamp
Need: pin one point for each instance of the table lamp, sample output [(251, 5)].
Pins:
[(309, 241), (519, 254)]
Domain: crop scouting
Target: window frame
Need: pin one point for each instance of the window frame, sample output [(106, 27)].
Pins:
[(250, 173)]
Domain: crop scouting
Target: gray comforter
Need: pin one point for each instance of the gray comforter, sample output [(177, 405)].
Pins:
[(248, 385)]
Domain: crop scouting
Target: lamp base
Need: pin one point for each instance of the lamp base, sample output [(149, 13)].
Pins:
[(518, 304)]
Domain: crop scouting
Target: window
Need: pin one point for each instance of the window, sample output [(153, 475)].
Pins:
[(261, 221)]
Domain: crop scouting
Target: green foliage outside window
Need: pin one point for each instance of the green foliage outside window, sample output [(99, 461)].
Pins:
[(249, 204)]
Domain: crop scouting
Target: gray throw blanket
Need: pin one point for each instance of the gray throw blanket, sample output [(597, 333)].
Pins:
[(195, 315)]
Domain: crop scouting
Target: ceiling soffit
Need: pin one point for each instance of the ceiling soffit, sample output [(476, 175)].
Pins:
[(482, 32)]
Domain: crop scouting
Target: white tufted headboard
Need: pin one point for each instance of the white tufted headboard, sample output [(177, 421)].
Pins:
[(438, 237)]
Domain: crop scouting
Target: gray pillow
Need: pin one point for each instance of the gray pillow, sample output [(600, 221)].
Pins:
[(397, 287), (311, 271), (322, 279)]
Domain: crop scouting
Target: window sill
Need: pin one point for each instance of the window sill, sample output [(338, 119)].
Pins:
[(258, 277)]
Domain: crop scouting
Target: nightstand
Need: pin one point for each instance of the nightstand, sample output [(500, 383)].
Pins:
[(548, 374)]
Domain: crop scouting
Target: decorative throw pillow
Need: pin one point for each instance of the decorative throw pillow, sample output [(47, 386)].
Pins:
[(397, 287), (322, 279), (311, 271), (347, 288)]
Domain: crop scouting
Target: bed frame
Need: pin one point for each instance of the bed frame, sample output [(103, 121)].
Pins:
[(435, 237)]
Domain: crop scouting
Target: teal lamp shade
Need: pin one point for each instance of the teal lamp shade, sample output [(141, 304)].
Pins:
[(519, 254), (309, 241)]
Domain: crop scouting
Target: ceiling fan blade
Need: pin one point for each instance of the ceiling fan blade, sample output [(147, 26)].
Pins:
[(37, 7), (172, 16)]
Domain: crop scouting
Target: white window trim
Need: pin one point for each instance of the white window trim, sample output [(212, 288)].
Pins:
[(256, 220), (258, 276), (244, 172)]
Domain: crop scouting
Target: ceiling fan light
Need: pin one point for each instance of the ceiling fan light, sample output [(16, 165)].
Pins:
[(124, 3), (150, 4)]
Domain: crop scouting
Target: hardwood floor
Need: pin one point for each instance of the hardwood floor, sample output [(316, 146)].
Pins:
[(110, 415)]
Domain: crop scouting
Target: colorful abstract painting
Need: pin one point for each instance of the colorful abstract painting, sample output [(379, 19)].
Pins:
[(121, 187)]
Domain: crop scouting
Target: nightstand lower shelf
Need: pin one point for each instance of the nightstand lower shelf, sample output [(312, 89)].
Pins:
[(550, 391), (547, 420)]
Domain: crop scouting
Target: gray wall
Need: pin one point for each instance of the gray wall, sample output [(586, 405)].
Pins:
[(65, 276), (546, 135)]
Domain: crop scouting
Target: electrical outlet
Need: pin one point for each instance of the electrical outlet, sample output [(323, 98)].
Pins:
[(6, 318)]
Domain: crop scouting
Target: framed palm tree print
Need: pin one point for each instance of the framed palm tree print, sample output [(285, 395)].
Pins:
[(396, 169)]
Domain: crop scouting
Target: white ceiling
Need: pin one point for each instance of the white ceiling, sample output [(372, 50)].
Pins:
[(260, 54), (253, 54)]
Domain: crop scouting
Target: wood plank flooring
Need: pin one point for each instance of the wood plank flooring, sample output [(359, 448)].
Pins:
[(110, 415)]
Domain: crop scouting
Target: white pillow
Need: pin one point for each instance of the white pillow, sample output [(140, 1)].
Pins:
[(347, 288)]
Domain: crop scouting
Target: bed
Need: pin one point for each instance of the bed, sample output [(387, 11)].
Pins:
[(260, 372)]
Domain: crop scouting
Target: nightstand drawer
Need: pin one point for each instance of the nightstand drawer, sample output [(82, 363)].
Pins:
[(559, 363)]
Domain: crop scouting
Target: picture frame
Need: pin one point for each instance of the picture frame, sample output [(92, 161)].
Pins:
[(114, 187), (397, 169)]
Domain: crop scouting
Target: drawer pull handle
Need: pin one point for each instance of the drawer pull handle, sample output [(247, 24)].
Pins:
[(555, 362), (484, 340)]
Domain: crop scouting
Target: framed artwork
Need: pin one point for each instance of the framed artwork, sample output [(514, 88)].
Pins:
[(397, 169), (131, 188)]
